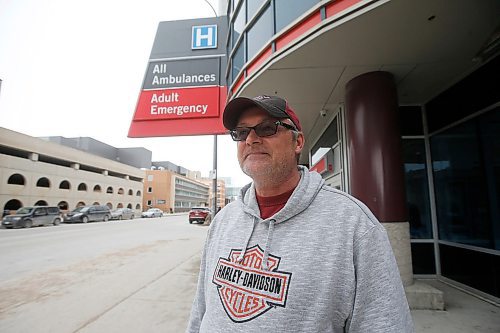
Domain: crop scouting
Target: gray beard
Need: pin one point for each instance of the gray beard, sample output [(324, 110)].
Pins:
[(269, 175)]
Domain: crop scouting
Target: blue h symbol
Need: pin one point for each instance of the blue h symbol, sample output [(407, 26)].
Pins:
[(204, 37)]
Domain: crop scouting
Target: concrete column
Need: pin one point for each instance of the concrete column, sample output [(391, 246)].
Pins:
[(104, 172), (75, 166), (375, 160)]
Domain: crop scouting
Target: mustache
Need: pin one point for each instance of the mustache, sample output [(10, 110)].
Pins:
[(254, 151)]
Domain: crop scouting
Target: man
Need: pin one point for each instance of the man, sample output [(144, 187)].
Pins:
[(292, 254)]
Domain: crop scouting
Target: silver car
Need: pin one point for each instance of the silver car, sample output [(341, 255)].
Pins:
[(152, 212), (122, 214)]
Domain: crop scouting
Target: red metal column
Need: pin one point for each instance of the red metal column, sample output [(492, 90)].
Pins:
[(373, 138)]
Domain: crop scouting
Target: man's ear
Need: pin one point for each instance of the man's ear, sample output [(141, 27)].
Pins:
[(300, 143)]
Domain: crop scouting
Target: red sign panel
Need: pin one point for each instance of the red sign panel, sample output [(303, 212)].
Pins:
[(320, 167), (178, 103), (196, 111)]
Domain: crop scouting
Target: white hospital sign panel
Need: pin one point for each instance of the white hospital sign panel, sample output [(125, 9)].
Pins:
[(184, 89), (204, 37)]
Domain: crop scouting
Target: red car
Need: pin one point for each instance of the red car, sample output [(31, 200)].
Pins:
[(200, 214)]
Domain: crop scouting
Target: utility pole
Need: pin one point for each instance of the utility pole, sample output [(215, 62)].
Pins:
[(214, 183)]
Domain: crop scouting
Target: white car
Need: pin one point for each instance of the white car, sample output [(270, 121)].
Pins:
[(152, 212)]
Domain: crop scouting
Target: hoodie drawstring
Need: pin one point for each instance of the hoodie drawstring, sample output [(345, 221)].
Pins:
[(244, 249), (265, 265), (269, 239)]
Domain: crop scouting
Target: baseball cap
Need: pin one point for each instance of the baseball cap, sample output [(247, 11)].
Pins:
[(275, 106)]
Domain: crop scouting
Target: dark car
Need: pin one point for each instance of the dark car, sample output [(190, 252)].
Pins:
[(26, 217), (122, 214), (200, 214), (86, 214)]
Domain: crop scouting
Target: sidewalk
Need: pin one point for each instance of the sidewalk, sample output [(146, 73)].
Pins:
[(164, 306), (464, 313)]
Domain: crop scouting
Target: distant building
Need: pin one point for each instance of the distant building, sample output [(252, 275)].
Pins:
[(167, 165), (40, 172), (173, 192), (232, 193), (221, 192)]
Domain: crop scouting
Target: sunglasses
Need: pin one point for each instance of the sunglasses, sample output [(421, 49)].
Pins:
[(266, 128)]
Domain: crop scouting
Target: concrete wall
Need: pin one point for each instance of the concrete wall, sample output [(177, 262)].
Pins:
[(30, 151), (29, 193)]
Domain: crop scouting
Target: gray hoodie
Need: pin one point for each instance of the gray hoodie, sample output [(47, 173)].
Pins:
[(321, 264)]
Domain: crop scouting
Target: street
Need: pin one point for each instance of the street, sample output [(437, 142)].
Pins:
[(118, 276)]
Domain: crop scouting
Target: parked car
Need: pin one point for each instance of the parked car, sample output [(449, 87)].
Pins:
[(26, 217), (88, 213), (152, 212), (200, 214), (122, 213)]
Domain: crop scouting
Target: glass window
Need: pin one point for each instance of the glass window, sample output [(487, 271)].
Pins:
[(417, 188), (325, 142), (289, 10), (253, 6), (476, 269), (239, 23), (336, 159), (238, 60), (490, 148), (468, 96), (410, 118), (461, 185), (422, 258), (260, 32)]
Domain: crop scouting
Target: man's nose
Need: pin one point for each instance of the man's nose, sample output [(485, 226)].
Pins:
[(252, 137)]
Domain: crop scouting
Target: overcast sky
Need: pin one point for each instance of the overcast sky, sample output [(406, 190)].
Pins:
[(75, 68)]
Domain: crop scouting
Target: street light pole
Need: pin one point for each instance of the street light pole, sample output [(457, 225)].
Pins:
[(215, 13), (214, 183)]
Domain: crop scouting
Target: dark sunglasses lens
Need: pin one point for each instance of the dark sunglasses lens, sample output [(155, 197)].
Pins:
[(240, 134), (262, 129), (266, 129)]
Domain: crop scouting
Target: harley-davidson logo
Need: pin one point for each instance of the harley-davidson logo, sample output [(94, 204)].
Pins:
[(245, 289)]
